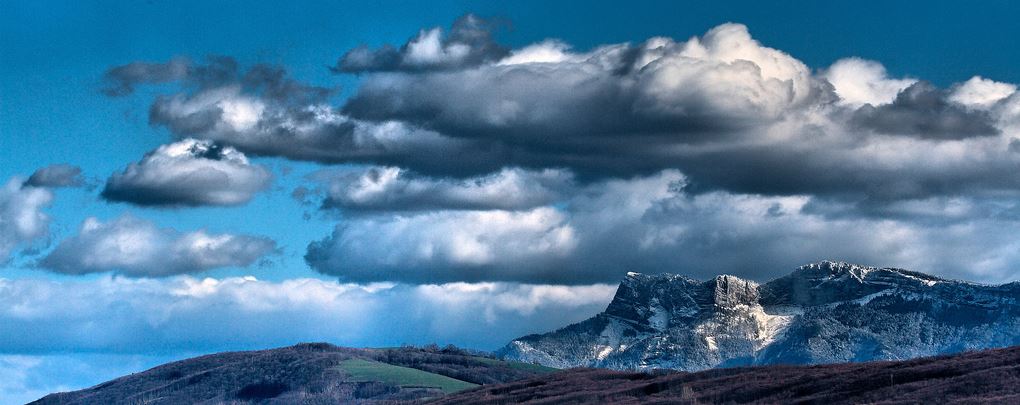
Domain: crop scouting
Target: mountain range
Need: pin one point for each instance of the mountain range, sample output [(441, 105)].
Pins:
[(826, 312)]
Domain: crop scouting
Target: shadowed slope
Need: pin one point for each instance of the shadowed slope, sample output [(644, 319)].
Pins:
[(306, 373), (991, 376)]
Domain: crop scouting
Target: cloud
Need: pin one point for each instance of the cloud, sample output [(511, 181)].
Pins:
[(58, 175), (469, 43), (261, 111), (116, 315), (722, 108), (268, 81), (859, 81), (924, 111), (659, 91), (121, 80), (978, 92), (395, 189), (447, 246), (654, 224), (188, 173), (22, 220), (138, 248)]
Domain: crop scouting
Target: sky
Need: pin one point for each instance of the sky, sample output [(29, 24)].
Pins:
[(181, 178)]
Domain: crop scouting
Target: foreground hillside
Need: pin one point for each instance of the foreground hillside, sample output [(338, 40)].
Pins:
[(827, 312), (306, 374), (991, 376)]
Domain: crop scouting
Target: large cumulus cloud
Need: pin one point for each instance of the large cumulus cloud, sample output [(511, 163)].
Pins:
[(682, 91), (138, 248), (188, 173)]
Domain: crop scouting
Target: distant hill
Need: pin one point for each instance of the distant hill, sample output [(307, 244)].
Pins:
[(307, 374), (985, 377), (827, 312)]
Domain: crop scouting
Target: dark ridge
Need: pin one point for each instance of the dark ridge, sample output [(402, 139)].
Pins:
[(990, 376), (307, 373)]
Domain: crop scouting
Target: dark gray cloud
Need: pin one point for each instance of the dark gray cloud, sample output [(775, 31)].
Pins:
[(57, 175), (395, 189), (925, 111), (188, 173), (266, 81), (121, 80), (138, 248), (469, 43)]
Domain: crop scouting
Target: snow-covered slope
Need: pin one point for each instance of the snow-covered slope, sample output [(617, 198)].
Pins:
[(821, 313)]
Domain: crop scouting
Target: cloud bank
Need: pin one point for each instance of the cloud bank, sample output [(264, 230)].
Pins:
[(137, 248), (185, 314), (654, 224)]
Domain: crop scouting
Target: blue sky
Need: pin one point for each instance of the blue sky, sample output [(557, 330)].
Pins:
[(508, 198)]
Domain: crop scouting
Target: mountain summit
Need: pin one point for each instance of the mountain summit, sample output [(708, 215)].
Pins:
[(824, 312)]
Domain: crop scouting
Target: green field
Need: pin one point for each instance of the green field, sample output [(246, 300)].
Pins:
[(518, 365), (367, 370)]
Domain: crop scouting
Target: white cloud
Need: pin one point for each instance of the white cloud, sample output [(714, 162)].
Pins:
[(21, 217), (978, 92), (548, 51), (138, 248), (185, 314), (447, 246), (190, 172), (859, 81), (396, 189)]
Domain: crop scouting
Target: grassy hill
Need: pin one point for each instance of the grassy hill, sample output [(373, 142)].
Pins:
[(308, 374), (361, 370)]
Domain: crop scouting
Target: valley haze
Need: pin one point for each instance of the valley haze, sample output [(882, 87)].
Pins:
[(633, 186)]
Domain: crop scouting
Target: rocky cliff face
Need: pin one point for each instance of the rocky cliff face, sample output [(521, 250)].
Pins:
[(821, 313)]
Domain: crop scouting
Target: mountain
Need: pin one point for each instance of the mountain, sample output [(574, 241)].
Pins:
[(986, 377), (827, 312), (306, 374)]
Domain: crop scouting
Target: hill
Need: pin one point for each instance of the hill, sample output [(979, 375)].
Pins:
[(308, 374), (991, 376), (827, 312)]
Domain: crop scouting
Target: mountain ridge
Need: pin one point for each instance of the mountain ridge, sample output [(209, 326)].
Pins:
[(822, 312)]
